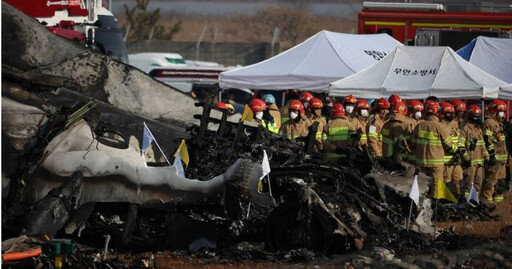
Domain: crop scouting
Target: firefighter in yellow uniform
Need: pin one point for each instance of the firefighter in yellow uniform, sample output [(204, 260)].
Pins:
[(393, 134), (296, 126), (315, 105), (374, 126), (460, 110), (431, 140), (452, 168), (494, 137), (471, 136), (414, 115), (359, 121), (270, 101), (338, 133), (349, 103)]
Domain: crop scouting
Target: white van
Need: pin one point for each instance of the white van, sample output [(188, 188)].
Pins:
[(151, 60)]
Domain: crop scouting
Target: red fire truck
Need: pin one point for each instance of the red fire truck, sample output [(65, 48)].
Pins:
[(402, 20), (84, 21)]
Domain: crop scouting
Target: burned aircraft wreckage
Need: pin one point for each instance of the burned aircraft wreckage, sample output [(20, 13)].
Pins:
[(72, 166)]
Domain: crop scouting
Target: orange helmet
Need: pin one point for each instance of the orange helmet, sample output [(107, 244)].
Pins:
[(431, 107), (221, 105), (305, 97), (459, 105), (382, 103), (257, 105), (400, 108), (361, 104), (497, 106), (394, 98), (296, 105), (350, 99), (415, 105), (315, 103), (474, 110), (447, 107), (337, 110)]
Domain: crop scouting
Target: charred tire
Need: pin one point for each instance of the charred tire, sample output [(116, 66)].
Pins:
[(237, 188), (284, 230)]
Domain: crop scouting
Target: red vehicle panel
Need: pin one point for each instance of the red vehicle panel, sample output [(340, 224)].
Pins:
[(402, 24)]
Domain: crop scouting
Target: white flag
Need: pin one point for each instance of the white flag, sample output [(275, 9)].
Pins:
[(414, 194), (147, 138), (473, 195), (179, 165), (265, 165)]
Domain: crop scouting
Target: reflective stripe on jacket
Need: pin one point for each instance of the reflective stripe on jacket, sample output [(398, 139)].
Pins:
[(374, 134), (431, 140), (453, 128), (394, 131), (468, 132), (359, 122), (493, 129)]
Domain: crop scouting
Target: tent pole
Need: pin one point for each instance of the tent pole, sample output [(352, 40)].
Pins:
[(282, 98)]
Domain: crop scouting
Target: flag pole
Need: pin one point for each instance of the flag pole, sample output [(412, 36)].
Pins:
[(409, 218), (161, 151)]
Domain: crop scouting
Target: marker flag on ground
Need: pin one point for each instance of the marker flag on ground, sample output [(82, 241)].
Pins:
[(147, 138), (414, 194), (265, 167), (442, 192), (178, 164), (473, 195), (247, 115), (183, 151)]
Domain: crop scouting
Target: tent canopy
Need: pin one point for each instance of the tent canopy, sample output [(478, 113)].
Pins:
[(506, 92), (418, 72), (493, 55), (313, 64)]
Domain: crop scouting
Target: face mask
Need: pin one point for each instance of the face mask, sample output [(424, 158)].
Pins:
[(349, 109), (501, 114), (449, 118), (475, 119), (364, 112), (417, 115), (259, 115), (317, 112), (293, 115), (306, 105)]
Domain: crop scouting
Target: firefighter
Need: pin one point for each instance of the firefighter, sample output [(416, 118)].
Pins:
[(472, 138), (393, 99), (374, 126), (305, 97), (495, 141), (290, 96), (359, 121), (452, 170), (262, 115), (270, 101), (394, 143), (349, 102), (460, 110), (315, 108), (338, 133), (297, 126), (415, 113), (431, 140), (221, 105)]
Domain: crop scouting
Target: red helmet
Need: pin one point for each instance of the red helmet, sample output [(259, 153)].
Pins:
[(394, 98), (296, 105), (382, 103), (257, 105), (474, 110), (315, 103), (221, 105), (305, 97), (338, 111), (497, 106), (361, 104), (431, 107), (447, 107), (350, 99), (415, 105), (400, 108), (459, 105)]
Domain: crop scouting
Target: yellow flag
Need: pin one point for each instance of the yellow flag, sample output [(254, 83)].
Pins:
[(247, 115), (182, 149), (442, 192)]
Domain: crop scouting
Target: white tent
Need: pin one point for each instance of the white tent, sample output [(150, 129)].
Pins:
[(506, 92), (418, 72), (493, 55), (313, 64)]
